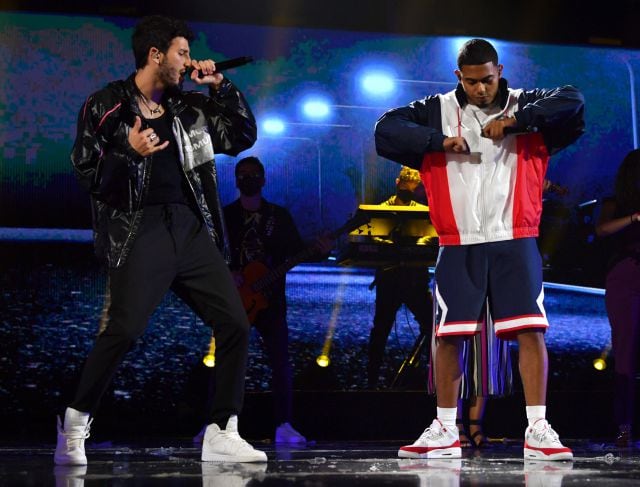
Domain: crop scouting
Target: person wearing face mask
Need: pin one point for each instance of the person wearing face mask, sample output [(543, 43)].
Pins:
[(263, 236), (398, 285)]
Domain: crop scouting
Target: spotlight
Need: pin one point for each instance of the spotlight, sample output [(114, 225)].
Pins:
[(316, 108), (378, 83), (323, 360), (210, 358), (600, 364), (273, 125)]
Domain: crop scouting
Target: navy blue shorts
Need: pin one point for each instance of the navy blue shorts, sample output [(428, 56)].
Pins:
[(507, 273)]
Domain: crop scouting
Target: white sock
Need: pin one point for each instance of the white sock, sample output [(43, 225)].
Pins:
[(534, 413), (232, 423), (447, 416), (74, 418)]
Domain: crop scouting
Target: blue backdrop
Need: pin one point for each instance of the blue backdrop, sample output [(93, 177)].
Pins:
[(319, 165)]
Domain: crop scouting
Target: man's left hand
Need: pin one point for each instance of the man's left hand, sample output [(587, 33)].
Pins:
[(208, 68), (494, 130)]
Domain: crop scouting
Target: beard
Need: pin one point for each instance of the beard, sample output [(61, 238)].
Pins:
[(168, 75)]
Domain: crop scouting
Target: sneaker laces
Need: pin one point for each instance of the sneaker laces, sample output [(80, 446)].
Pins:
[(236, 441), (546, 433), (433, 432), (77, 432)]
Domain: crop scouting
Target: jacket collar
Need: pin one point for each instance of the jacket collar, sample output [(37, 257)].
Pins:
[(503, 94), (172, 100)]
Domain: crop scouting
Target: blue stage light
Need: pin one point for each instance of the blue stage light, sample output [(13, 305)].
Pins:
[(273, 126), (316, 108), (378, 83)]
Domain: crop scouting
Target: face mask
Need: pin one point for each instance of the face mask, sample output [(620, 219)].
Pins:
[(250, 186), (404, 195)]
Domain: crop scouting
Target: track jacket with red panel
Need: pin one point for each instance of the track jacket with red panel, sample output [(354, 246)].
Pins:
[(494, 192)]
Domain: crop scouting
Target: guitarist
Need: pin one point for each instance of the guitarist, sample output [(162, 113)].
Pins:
[(264, 235)]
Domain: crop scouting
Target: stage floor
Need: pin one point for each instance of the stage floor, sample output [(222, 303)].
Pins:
[(177, 462)]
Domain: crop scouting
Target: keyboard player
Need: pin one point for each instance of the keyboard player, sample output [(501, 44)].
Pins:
[(397, 285)]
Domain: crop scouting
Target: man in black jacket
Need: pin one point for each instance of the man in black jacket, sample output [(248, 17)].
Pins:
[(145, 152)]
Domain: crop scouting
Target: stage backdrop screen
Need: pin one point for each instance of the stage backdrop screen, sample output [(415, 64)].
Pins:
[(316, 95)]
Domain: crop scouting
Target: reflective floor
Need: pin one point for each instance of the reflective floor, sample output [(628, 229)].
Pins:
[(177, 463)]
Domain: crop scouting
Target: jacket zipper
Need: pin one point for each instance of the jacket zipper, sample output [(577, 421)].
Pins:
[(146, 161)]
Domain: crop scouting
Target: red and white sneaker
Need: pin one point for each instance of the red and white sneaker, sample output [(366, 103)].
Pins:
[(437, 441), (541, 442)]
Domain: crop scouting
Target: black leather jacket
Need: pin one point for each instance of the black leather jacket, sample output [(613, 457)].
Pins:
[(117, 177)]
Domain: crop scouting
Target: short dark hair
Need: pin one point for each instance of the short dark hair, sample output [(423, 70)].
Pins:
[(477, 51), (156, 31), (250, 160)]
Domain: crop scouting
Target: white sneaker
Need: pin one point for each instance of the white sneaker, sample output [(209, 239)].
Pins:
[(70, 445), (227, 446), (286, 434), (437, 441), (541, 442)]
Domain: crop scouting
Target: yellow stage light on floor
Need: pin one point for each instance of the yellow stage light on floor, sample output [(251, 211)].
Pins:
[(210, 358), (323, 360), (600, 364)]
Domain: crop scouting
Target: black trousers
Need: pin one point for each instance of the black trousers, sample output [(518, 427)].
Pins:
[(395, 287), (172, 250)]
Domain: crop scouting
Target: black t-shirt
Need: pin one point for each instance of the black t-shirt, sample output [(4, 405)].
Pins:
[(268, 235), (168, 183)]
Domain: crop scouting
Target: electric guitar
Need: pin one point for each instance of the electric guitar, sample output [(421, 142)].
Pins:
[(258, 278)]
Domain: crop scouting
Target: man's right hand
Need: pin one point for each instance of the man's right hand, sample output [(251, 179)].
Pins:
[(455, 144), (145, 142)]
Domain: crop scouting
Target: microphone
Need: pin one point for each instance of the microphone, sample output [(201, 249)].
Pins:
[(224, 65), (518, 131)]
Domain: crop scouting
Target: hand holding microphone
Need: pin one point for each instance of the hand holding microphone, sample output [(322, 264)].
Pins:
[(208, 71), (499, 128)]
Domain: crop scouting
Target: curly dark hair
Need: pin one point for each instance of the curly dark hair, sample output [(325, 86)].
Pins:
[(477, 51), (628, 183), (157, 31)]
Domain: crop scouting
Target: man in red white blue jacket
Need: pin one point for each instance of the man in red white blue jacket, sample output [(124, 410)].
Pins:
[(482, 151)]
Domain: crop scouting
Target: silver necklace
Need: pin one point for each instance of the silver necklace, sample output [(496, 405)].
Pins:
[(152, 111)]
